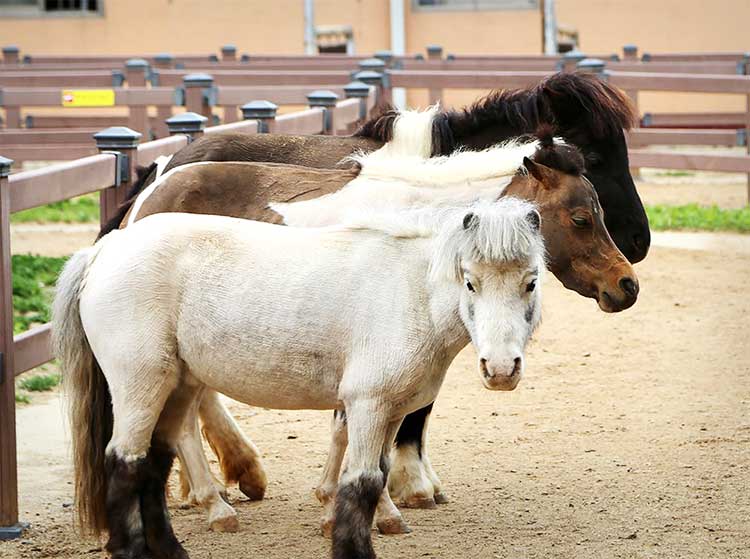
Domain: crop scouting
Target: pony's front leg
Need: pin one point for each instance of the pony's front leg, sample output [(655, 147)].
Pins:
[(238, 457), (221, 516), (363, 481), (326, 490), (413, 482)]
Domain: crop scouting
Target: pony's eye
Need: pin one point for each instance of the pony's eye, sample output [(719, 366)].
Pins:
[(470, 287), (531, 286), (580, 221)]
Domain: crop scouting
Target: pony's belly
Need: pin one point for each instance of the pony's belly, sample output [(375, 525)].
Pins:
[(303, 386)]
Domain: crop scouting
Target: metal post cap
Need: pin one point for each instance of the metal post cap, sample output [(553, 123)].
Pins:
[(450, 56), (630, 48), (594, 65), (369, 77), (372, 64), (434, 49), (135, 63), (646, 57), (186, 122), (5, 165), (576, 55), (163, 58), (384, 55), (229, 48), (258, 109), (117, 137), (357, 89), (198, 80), (322, 98), (10, 49)]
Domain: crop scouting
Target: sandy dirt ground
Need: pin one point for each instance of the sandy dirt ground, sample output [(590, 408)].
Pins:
[(628, 438)]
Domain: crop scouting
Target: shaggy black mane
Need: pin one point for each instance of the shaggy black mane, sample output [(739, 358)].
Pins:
[(562, 157)]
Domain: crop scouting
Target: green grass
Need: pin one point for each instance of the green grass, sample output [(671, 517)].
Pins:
[(40, 383), (33, 282), (84, 209), (23, 398), (698, 218)]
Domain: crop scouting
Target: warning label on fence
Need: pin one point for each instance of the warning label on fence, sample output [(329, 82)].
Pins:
[(88, 98)]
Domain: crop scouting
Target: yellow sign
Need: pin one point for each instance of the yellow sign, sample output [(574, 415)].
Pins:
[(88, 98)]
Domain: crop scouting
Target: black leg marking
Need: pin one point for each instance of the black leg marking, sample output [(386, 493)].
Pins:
[(412, 428), (157, 527), (355, 508), (126, 538)]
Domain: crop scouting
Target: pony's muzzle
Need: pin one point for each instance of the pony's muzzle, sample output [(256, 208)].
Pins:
[(621, 298), (502, 374)]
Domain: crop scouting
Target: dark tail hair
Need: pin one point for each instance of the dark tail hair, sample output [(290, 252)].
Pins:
[(90, 403), (114, 223)]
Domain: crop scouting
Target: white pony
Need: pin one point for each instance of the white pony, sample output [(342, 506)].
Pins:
[(368, 325)]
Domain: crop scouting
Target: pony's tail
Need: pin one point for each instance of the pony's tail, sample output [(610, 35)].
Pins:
[(90, 404)]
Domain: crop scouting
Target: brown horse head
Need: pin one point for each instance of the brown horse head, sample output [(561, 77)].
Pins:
[(580, 251)]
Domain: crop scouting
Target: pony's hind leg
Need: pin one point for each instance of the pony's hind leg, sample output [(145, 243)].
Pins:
[(160, 537), (137, 407), (221, 516), (239, 458), (388, 518)]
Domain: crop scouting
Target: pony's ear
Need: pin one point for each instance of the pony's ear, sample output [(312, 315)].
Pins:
[(471, 220), (534, 219), (540, 172)]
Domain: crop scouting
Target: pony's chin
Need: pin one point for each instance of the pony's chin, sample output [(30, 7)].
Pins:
[(609, 304), (502, 383)]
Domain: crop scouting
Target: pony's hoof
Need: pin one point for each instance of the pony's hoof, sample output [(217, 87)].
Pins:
[(418, 501), (393, 526), (326, 527), (229, 523), (252, 487), (441, 498)]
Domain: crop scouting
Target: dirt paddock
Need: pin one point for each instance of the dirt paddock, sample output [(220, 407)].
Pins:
[(628, 438)]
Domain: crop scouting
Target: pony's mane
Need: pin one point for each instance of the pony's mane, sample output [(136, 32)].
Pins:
[(502, 160), (568, 101), (502, 231)]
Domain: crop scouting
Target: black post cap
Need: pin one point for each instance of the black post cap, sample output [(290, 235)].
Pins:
[(163, 58), (10, 49), (384, 55), (434, 49), (322, 98), (186, 123), (117, 137), (630, 49), (259, 109), (374, 64), (228, 48), (5, 165), (198, 80), (369, 77), (356, 89), (593, 65), (576, 55), (135, 63)]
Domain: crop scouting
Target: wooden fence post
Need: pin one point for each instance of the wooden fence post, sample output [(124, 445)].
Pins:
[(361, 91), (136, 74), (378, 66), (10, 54), (199, 93), (434, 94), (10, 528), (327, 101), (262, 111), (124, 142), (190, 124), (228, 53), (630, 53), (369, 77)]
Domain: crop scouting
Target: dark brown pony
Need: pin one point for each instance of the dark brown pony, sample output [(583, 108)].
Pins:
[(581, 252), (581, 108)]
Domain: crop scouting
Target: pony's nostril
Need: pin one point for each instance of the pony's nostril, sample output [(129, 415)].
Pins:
[(629, 286), (516, 366), (483, 367)]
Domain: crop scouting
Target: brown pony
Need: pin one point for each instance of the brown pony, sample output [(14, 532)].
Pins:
[(581, 254)]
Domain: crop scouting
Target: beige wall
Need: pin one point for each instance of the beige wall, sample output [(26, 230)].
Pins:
[(276, 26)]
